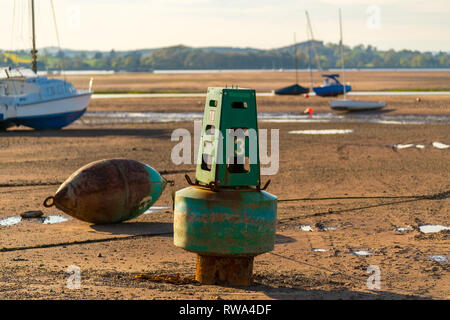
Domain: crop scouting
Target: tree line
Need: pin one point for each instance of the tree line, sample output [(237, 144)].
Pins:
[(303, 55)]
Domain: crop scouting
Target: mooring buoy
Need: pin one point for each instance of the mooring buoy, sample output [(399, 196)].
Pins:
[(225, 216)]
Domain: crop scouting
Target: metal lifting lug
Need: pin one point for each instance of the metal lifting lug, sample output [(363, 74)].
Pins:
[(263, 188)]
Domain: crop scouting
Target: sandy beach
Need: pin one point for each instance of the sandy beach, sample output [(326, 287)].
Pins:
[(353, 190)]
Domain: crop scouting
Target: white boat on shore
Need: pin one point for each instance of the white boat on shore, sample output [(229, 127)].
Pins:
[(354, 105), (38, 102), (348, 104)]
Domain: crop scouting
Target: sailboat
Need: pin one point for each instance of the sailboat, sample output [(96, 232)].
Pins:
[(348, 104), (294, 89), (331, 86), (35, 101)]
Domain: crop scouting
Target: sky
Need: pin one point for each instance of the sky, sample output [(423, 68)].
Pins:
[(265, 24)]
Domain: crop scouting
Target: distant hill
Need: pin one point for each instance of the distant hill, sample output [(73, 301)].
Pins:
[(316, 53)]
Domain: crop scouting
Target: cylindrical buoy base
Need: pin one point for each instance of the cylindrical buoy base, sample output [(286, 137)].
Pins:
[(228, 271)]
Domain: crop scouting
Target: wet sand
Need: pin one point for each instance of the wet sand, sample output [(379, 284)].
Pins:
[(355, 182), (292, 104), (261, 81)]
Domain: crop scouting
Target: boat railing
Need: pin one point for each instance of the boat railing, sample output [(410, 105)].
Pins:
[(16, 73)]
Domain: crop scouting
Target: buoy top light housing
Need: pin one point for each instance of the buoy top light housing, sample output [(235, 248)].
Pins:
[(229, 148)]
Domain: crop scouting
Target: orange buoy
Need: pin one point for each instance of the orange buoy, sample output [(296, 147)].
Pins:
[(308, 111)]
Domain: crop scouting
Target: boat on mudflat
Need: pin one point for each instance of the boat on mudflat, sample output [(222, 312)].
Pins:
[(295, 89), (37, 101), (331, 86), (348, 104), (354, 105)]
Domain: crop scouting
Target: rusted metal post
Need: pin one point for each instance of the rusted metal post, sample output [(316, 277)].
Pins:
[(228, 271)]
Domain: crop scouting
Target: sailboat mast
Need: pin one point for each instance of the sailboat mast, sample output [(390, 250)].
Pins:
[(295, 60), (309, 60), (33, 50), (342, 51)]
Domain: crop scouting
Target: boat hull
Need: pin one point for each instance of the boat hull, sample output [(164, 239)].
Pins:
[(331, 91), (51, 122), (353, 105), (48, 115), (292, 90)]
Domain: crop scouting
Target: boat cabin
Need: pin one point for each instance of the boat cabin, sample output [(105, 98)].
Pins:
[(23, 86), (330, 80)]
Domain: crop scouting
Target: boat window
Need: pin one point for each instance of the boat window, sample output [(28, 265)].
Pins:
[(50, 91), (3, 74)]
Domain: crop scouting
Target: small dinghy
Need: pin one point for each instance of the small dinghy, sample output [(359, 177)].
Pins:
[(348, 104), (295, 89), (353, 105)]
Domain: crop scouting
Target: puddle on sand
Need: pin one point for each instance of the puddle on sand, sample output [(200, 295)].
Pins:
[(52, 219), (10, 221), (439, 258), (305, 227), (403, 229), (325, 131), (403, 146), (155, 209), (409, 145), (432, 228), (361, 252), (319, 250), (326, 228), (274, 117), (440, 145)]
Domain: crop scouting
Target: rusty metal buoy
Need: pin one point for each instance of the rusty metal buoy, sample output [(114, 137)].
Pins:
[(108, 191), (225, 217)]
